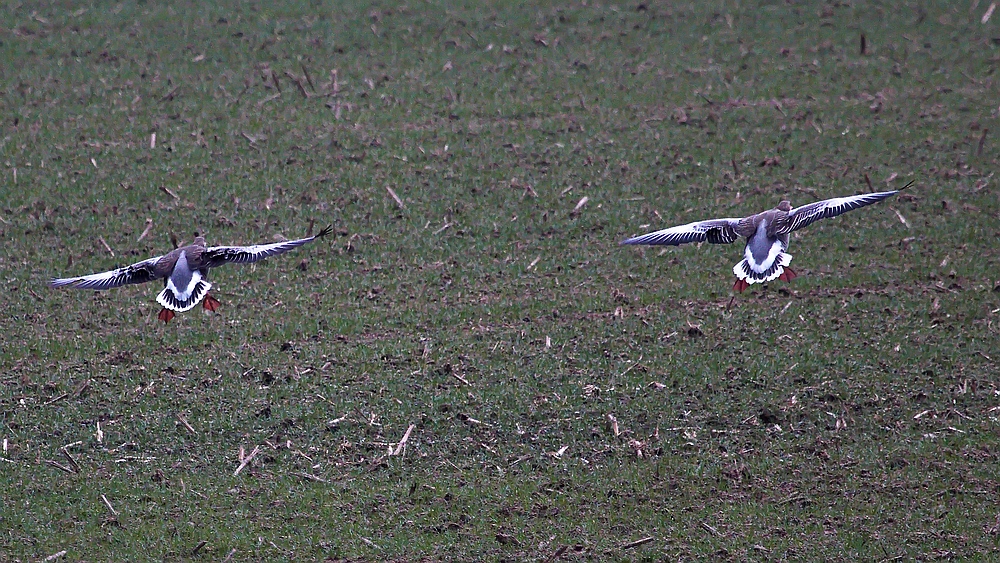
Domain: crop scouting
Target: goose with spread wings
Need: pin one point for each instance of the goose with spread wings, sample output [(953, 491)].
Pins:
[(184, 272), (765, 257)]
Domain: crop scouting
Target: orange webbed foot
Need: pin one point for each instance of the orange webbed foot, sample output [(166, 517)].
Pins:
[(211, 303), (788, 275), (165, 315), (740, 285)]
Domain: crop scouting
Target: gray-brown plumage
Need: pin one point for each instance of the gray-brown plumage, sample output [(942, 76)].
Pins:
[(184, 272), (766, 233)]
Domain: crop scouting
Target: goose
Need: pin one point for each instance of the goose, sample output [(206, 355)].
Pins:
[(184, 272), (765, 257)]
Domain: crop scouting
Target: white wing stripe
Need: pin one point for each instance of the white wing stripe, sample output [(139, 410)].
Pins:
[(691, 232), (136, 273), (247, 254), (810, 213)]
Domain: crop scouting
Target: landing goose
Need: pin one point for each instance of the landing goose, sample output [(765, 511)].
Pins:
[(766, 233), (184, 272)]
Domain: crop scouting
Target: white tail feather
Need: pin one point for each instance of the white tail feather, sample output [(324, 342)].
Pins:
[(745, 272), (169, 300)]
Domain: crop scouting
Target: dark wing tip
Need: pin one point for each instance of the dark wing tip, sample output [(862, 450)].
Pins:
[(327, 230), (908, 184)]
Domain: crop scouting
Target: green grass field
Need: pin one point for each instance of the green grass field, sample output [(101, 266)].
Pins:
[(479, 371)]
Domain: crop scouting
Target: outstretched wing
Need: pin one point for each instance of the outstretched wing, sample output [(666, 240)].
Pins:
[(715, 231), (216, 256), (140, 272), (808, 214)]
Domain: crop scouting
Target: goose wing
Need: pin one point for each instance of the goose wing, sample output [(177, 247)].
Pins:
[(140, 272), (215, 256), (810, 213), (715, 231)]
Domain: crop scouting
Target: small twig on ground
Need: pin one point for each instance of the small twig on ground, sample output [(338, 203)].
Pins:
[(439, 231), (298, 82), (270, 98), (106, 247), (246, 87), (230, 556), (637, 543), (711, 529), (460, 378), (309, 477), (184, 421), (308, 78), (58, 465), (334, 83), (630, 368), (366, 540), (901, 218), (982, 141), (793, 498), (54, 399), (579, 205), (72, 461), (392, 192), (466, 418), (54, 556), (198, 547), (613, 425), (111, 509), (170, 95), (170, 193), (989, 12), (402, 442), (246, 460), (336, 420), (145, 232)]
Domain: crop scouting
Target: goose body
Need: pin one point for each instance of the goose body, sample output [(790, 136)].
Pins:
[(765, 256), (184, 272)]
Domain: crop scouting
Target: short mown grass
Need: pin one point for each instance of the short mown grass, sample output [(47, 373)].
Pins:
[(562, 397)]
